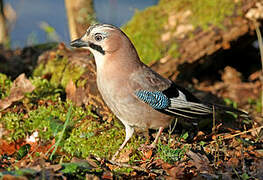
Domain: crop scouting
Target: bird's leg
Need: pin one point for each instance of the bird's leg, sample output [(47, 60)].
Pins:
[(128, 134), (153, 145)]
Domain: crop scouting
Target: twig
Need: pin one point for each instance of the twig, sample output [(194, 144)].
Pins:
[(214, 120), (127, 166), (119, 164), (238, 134), (260, 43)]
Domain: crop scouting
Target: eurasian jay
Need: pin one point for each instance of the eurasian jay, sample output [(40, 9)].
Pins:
[(137, 95)]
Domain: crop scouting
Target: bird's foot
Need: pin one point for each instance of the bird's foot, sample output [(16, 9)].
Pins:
[(145, 147), (115, 155)]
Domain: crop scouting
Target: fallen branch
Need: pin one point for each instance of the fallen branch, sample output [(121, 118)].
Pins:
[(238, 134)]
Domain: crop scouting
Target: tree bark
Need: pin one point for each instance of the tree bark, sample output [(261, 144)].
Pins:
[(180, 40), (3, 29), (206, 43), (80, 15)]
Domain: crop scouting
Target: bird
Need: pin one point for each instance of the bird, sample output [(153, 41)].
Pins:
[(137, 95)]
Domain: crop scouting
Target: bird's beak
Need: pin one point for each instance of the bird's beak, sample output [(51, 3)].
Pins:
[(79, 43)]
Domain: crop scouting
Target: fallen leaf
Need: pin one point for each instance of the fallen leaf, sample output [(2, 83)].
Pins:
[(10, 148), (111, 166), (254, 76), (92, 162), (92, 177), (231, 75), (147, 154), (76, 95), (89, 161), (11, 177), (201, 162), (107, 175), (233, 162), (71, 90), (20, 86), (174, 171), (125, 156)]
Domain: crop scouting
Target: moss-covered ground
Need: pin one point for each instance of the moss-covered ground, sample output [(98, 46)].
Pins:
[(146, 27), (66, 132), (44, 111)]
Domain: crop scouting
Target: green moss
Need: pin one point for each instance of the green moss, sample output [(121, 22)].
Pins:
[(146, 27), (44, 90), (47, 120), (208, 12), (145, 32), (38, 70), (170, 155), (5, 85), (44, 111), (173, 50), (56, 68), (71, 72), (61, 71), (98, 138)]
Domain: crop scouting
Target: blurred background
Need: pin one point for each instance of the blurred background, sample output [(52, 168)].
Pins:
[(39, 21)]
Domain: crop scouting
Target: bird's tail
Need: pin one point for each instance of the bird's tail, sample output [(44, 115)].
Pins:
[(223, 109)]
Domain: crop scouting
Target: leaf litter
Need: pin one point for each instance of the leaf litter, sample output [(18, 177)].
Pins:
[(227, 152)]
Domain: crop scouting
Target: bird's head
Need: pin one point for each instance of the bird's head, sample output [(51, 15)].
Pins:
[(102, 39), (107, 43)]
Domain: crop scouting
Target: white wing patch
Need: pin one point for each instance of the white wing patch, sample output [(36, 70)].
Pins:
[(181, 104), (181, 96)]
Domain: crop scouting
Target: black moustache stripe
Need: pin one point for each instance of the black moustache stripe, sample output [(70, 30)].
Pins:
[(97, 48)]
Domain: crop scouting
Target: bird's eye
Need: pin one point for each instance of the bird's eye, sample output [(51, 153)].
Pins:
[(98, 37)]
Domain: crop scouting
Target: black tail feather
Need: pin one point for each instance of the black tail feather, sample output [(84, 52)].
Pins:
[(222, 109)]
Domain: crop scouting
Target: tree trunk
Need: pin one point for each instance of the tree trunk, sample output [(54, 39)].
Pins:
[(80, 15), (3, 29)]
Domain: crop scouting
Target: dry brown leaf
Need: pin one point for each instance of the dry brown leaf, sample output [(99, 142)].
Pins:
[(148, 154), (174, 172), (92, 162), (254, 76), (258, 153), (200, 135), (11, 177), (125, 156), (55, 167), (111, 166), (7, 148), (71, 90), (231, 75), (107, 175), (76, 95), (233, 162), (5, 103), (201, 162), (92, 177), (20, 86)]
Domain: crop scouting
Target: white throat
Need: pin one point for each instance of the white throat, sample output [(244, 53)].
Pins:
[(99, 59)]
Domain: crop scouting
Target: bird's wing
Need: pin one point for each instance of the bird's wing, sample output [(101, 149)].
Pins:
[(177, 106), (147, 79), (163, 95)]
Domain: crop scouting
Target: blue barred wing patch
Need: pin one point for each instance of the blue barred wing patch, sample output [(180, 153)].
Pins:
[(156, 100)]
